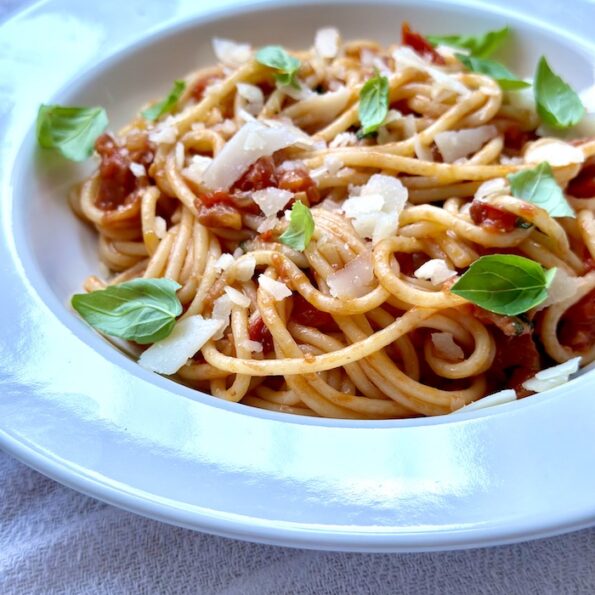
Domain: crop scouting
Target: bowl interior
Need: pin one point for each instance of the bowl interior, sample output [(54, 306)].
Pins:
[(58, 251)]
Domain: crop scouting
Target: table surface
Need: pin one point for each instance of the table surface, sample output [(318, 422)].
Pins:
[(54, 540)]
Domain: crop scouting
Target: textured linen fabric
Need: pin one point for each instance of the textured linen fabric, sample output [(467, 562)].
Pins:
[(54, 540)]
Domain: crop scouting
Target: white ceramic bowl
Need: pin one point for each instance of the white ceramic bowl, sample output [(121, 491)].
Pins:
[(82, 412)]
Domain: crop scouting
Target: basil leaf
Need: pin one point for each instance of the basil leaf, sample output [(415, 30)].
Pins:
[(558, 105), (504, 283), (274, 56), (301, 227), (167, 105), (480, 46), (72, 131), (141, 310), (501, 74), (539, 187), (373, 103)]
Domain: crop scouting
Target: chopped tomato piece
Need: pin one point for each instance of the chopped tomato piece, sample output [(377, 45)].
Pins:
[(420, 44), (220, 215), (577, 327), (511, 326), (583, 185), (516, 138), (305, 313), (299, 180), (258, 331), (261, 174), (492, 218), (409, 263), (517, 360)]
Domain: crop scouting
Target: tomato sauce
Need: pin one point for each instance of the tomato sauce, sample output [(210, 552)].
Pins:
[(492, 218), (420, 44), (116, 182), (258, 331), (306, 314), (583, 185), (577, 326)]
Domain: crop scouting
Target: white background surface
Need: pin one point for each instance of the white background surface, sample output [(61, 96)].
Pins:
[(53, 540)]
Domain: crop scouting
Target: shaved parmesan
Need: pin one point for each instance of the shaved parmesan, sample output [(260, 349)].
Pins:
[(267, 224), (237, 297), (230, 52), (138, 169), (554, 151), (405, 57), (326, 42), (504, 396), (252, 346), (552, 377), (224, 262), (355, 279), (179, 155), (343, 139), (446, 347), (253, 96), (244, 269), (375, 207), (277, 290), (187, 337), (435, 271), (195, 170), (160, 227), (271, 200), (222, 312), (455, 144), (251, 142), (490, 187), (563, 287), (165, 133)]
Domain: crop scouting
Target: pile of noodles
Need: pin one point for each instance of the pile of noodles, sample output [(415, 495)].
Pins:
[(360, 335)]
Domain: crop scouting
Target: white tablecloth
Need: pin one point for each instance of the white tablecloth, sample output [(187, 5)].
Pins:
[(54, 540)]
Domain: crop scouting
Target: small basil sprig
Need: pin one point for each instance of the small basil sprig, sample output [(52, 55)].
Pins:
[(72, 131), (539, 186), (480, 46), (373, 104), (167, 105), (274, 56), (506, 79), (301, 227), (558, 105), (505, 284), (141, 310)]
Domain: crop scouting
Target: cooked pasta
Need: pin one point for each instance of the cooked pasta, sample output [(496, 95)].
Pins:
[(363, 320)]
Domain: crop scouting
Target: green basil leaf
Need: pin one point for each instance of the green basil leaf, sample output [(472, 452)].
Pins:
[(373, 103), (504, 283), (141, 310), (301, 227), (167, 105), (506, 79), (480, 46), (274, 56), (558, 105), (539, 186), (72, 131)]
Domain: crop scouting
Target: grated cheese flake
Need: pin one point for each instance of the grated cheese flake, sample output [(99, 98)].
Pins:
[(436, 271), (277, 290)]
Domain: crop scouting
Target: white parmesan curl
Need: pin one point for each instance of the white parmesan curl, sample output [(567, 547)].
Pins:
[(277, 290), (231, 53), (436, 271), (552, 377), (326, 42), (354, 280), (446, 347), (456, 144), (187, 337)]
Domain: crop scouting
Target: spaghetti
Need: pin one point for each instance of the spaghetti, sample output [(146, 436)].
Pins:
[(362, 322)]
